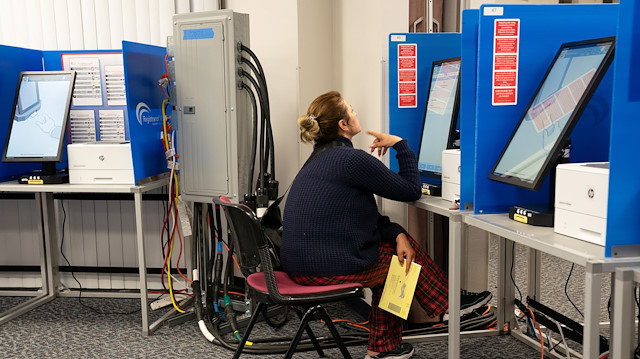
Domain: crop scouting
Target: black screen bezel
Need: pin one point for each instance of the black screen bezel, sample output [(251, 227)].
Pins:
[(65, 121), (454, 114), (563, 138)]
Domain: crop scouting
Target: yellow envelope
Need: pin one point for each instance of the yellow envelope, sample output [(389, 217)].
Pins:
[(399, 288)]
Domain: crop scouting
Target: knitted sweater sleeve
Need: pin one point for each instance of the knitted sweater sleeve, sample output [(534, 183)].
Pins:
[(370, 174), (389, 231)]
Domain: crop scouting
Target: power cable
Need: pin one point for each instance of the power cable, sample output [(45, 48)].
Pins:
[(95, 310), (567, 294)]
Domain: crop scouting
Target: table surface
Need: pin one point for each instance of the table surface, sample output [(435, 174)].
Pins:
[(14, 186), (543, 239), (436, 205)]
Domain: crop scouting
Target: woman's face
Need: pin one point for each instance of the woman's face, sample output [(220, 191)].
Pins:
[(352, 124)]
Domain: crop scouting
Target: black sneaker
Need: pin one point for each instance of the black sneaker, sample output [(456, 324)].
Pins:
[(403, 351), (469, 301), (476, 313)]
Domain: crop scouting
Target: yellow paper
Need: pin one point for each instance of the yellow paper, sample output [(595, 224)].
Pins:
[(399, 288)]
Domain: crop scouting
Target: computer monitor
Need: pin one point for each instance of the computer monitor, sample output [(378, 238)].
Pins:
[(440, 116), (39, 119), (543, 130)]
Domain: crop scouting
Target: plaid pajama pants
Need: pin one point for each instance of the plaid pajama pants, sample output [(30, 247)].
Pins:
[(386, 328)]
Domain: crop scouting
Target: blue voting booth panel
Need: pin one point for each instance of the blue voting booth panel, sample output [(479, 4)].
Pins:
[(468, 86), (13, 60), (143, 67), (407, 122), (623, 227), (543, 28)]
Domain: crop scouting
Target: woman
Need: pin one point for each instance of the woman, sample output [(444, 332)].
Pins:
[(333, 232)]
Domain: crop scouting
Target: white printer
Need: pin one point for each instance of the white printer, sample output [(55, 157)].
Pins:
[(451, 175), (100, 163), (582, 191)]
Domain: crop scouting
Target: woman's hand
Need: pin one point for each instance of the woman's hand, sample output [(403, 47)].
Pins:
[(405, 251), (382, 142)]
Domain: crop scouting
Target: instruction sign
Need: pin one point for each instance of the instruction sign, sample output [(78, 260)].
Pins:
[(506, 45), (407, 75)]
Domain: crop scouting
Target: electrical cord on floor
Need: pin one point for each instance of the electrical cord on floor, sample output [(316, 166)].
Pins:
[(95, 310), (567, 294)]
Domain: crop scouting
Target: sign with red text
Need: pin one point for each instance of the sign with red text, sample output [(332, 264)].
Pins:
[(407, 75), (506, 44)]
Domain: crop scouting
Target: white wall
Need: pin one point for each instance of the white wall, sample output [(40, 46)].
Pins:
[(274, 39), (361, 62)]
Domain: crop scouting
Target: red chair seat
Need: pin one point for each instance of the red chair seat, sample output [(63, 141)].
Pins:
[(287, 286)]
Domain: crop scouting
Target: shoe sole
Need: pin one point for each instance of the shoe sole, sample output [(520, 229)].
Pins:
[(403, 356), (475, 306), (470, 308)]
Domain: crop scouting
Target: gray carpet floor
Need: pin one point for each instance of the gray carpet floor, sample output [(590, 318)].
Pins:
[(65, 329)]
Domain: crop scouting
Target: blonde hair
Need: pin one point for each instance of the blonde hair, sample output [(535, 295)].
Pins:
[(320, 123)]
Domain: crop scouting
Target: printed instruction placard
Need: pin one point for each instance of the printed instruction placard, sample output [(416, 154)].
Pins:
[(407, 75), (399, 287), (506, 44)]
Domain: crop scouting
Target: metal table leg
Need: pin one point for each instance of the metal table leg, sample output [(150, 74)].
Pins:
[(48, 263), (456, 233), (623, 331), (592, 295), (142, 264)]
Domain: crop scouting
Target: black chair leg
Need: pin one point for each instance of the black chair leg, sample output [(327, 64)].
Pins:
[(245, 337), (304, 325), (334, 332)]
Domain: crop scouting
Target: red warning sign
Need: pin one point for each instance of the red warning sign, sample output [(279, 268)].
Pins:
[(505, 62), (407, 50), (407, 75), (507, 28), (406, 88), (504, 78), (506, 45), (504, 95), (406, 63), (405, 101)]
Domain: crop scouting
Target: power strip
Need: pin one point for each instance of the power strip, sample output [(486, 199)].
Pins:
[(166, 301)]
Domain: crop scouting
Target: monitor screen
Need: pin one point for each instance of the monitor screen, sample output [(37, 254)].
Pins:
[(39, 116), (543, 130), (440, 115)]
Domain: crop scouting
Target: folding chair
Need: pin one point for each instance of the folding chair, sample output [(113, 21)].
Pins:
[(276, 287)]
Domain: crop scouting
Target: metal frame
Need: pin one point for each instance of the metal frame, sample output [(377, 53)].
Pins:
[(49, 243), (626, 280), (541, 239), (457, 240)]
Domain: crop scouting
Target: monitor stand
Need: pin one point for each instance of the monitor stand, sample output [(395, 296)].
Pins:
[(48, 175), (542, 215)]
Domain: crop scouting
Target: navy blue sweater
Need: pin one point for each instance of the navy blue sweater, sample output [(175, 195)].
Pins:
[(331, 223)]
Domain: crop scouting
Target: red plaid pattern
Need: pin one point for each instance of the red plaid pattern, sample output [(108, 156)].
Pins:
[(386, 328)]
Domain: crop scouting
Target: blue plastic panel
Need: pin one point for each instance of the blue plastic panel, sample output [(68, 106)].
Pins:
[(13, 60), (407, 122), (623, 227), (468, 85), (143, 67), (543, 28)]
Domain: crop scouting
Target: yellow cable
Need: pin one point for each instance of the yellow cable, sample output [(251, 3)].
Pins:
[(173, 300), (166, 141), (164, 122)]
